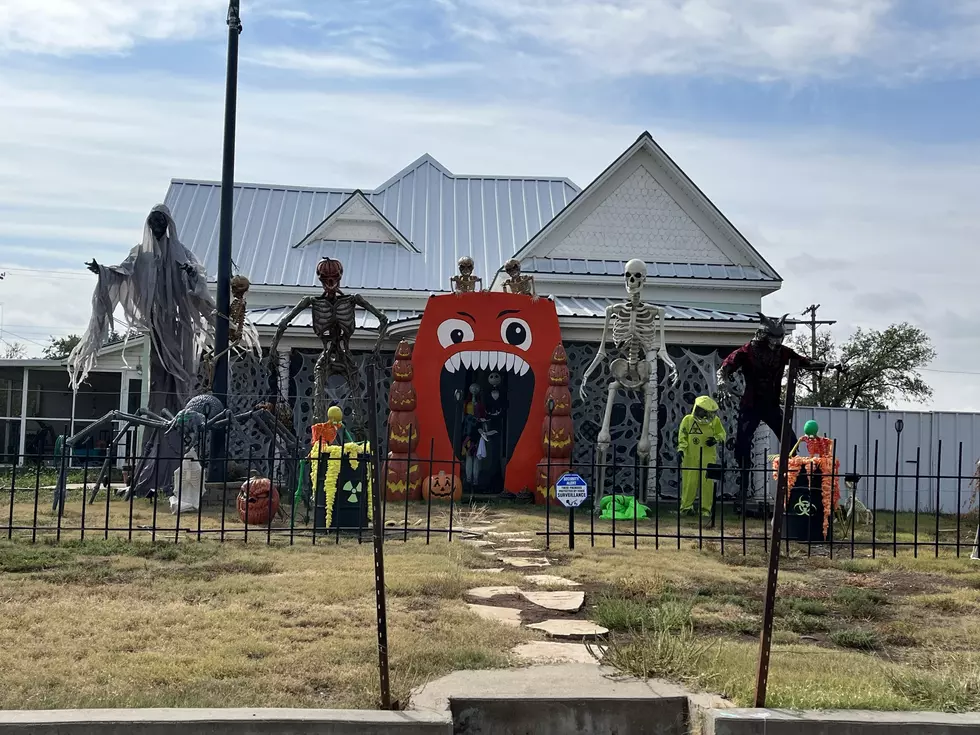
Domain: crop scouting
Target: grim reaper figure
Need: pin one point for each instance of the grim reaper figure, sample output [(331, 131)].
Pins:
[(162, 291)]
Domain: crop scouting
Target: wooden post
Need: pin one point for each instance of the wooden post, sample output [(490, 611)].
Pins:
[(765, 643)]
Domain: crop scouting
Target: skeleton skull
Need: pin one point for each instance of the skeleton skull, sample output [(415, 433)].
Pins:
[(636, 276), (330, 271), (465, 265)]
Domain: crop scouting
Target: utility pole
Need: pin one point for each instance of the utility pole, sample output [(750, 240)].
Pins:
[(224, 232), (812, 311)]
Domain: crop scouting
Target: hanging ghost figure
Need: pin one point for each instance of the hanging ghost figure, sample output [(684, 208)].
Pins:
[(162, 291)]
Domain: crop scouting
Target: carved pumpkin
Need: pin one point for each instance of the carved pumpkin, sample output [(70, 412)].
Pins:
[(258, 501), (403, 432), (557, 437), (558, 374), (546, 488), (562, 397), (402, 397), (396, 471), (442, 487)]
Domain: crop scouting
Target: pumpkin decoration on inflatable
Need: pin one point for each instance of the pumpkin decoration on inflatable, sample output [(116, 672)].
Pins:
[(557, 429), (442, 487), (401, 472), (258, 501)]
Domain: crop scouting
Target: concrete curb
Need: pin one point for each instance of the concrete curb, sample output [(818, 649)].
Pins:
[(836, 722), (222, 722)]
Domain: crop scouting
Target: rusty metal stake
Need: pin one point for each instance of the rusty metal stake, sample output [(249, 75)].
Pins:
[(378, 484), (765, 643)]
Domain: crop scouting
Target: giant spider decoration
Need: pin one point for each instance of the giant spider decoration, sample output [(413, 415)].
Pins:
[(200, 415)]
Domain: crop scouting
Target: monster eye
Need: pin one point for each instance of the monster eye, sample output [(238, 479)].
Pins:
[(453, 332), (516, 332)]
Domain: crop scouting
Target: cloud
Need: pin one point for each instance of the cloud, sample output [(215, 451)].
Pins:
[(77, 165), (65, 27), (806, 264), (757, 39), (356, 66), (894, 301)]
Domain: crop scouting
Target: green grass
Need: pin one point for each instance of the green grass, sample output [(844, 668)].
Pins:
[(860, 639), (859, 603)]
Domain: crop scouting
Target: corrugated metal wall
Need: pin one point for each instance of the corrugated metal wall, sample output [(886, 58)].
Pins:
[(945, 446)]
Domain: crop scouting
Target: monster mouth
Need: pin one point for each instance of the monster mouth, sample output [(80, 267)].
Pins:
[(516, 390)]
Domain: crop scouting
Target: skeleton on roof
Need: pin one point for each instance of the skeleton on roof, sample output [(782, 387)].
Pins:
[(334, 323), (638, 332)]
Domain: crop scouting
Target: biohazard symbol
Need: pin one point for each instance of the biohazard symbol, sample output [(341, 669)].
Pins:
[(803, 507)]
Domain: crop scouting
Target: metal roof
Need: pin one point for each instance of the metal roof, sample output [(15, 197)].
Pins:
[(444, 215), (577, 266), (590, 307)]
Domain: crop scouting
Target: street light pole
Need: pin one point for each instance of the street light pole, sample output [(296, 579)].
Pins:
[(220, 387)]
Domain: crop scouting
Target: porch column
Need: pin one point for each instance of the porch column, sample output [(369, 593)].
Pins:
[(23, 419), (144, 387), (123, 408)]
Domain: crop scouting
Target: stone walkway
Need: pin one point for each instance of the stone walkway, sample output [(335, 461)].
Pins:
[(567, 634)]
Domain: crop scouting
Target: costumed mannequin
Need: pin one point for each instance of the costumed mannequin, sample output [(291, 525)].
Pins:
[(638, 332), (517, 283), (496, 407), (697, 441), (334, 323), (474, 415), (162, 290), (762, 363), (465, 282)]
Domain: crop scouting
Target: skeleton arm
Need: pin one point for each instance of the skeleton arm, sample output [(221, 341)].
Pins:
[(302, 306), (382, 319), (600, 355), (672, 375)]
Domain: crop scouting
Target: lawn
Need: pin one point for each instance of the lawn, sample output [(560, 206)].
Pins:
[(234, 624)]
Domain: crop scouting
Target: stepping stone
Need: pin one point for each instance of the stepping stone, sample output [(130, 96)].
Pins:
[(487, 553), (570, 629), (522, 550), (479, 543), (548, 652), (523, 562), (560, 601), (495, 570), (485, 593), (551, 580), (507, 534), (506, 615), (516, 540)]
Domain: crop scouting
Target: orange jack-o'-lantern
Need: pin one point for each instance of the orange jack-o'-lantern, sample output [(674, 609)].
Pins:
[(561, 398), (442, 487), (548, 475), (403, 432), (557, 437), (398, 479), (258, 501), (402, 397), (558, 374)]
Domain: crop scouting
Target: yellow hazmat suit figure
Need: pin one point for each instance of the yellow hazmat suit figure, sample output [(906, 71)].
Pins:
[(697, 441)]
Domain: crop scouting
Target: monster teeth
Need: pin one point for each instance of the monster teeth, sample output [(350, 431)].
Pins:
[(487, 360)]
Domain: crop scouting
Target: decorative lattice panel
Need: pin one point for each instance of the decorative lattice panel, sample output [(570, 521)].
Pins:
[(248, 385)]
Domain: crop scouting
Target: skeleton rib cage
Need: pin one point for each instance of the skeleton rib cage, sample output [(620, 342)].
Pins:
[(634, 330)]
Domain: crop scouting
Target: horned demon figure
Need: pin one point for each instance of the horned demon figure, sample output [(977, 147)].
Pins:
[(334, 315), (516, 281), (762, 363), (638, 332)]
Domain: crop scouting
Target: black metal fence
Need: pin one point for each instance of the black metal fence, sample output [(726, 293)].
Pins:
[(325, 497)]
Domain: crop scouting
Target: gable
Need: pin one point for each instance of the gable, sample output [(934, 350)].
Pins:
[(644, 206), (356, 220), (639, 218)]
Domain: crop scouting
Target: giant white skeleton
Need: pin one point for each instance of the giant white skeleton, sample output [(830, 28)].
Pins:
[(638, 333)]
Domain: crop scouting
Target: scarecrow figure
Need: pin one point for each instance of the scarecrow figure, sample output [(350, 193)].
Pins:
[(334, 322), (762, 362), (697, 441), (465, 282), (162, 290)]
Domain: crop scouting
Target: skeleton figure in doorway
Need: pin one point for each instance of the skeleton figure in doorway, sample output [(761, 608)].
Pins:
[(162, 291), (516, 282), (465, 282), (762, 363), (334, 315), (242, 334), (638, 333)]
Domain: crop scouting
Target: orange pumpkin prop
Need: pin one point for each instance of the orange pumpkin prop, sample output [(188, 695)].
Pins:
[(557, 430), (398, 479), (258, 501), (442, 487), (546, 486), (403, 430)]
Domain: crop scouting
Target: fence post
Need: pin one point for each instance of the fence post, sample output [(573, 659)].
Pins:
[(765, 643)]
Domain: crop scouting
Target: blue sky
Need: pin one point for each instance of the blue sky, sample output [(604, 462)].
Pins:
[(841, 136)]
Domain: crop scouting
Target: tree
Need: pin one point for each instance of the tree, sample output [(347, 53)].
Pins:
[(13, 351), (880, 367), (60, 347)]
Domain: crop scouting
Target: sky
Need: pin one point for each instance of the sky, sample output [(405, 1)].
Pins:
[(841, 137)]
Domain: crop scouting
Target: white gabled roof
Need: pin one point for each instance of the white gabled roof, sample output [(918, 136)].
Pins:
[(644, 206), (357, 220)]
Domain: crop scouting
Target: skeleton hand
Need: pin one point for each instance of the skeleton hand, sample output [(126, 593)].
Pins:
[(581, 391), (188, 269), (93, 266)]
